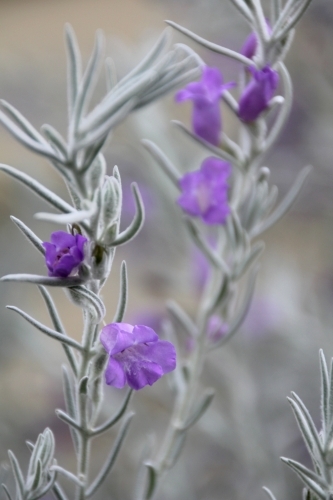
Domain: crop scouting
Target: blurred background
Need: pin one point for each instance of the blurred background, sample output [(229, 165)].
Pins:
[(235, 449)]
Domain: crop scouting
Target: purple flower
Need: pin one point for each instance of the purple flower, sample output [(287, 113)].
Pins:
[(258, 93), (205, 191), (64, 254), (137, 356), (216, 329), (206, 116), (250, 45)]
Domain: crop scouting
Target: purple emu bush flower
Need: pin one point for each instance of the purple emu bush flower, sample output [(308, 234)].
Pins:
[(64, 254), (258, 93), (206, 116), (137, 356), (205, 191), (250, 45)]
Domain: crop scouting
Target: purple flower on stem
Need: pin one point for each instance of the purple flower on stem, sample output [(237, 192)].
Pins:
[(137, 356), (206, 94), (250, 45), (205, 191), (258, 93), (64, 254)]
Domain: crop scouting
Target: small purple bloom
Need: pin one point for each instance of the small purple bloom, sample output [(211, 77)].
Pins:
[(250, 45), (216, 329), (258, 93), (137, 356), (205, 191), (64, 254), (206, 116)]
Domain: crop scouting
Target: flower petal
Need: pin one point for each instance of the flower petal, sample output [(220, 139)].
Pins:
[(114, 374)]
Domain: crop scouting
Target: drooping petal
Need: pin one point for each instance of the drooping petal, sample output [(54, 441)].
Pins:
[(144, 373), (114, 374), (258, 93)]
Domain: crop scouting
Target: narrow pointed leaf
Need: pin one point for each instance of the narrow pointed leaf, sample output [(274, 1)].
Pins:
[(45, 329), (168, 168), (181, 318), (22, 122), (73, 66), (200, 409), (112, 457), (310, 483), (19, 479), (70, 281), (152, 480), (29, 234), (70, 401), (137, 223), (6, 492), (38, 189), (324, 390), (58, 325), (285, 204), (115, 418), (307, 428), (299, 468)]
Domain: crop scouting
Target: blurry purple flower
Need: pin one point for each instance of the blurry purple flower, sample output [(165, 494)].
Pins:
[(137, 356), (216, 329), (64, 254), (250, 45), (205, 191), (258, 93), (206, 116)]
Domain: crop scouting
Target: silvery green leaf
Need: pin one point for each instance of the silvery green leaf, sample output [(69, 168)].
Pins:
[(85, 298), (199, 409), (285, 204), (243, 310), (23, 138), (67, 474), (152, 474), (92, 155), (99, 133), (242, 7), (70, 401), (269, 493), (57, 141), (112, 200), (285, 109), (70, 281), (30, 235), (170, 84), (116, 417), (176, 450), (74, 69), (47, 448), (58, 491), (37, 478), (211, 255), (133, 229), (256, 251), (289, 19), (181, 318), (68, 420), (217, 151), (58, 326), (71, 218), (88, 82), (22, 122), (18, 476), (106, 468), (35, 455), (110, 74), (168, 168), (161, 46), (306, 426), (324, 391), (42, 490), (123, 294), (301, 469), (45, 329), (212, 46), (38, 189), (8, 495), (313, 485)]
